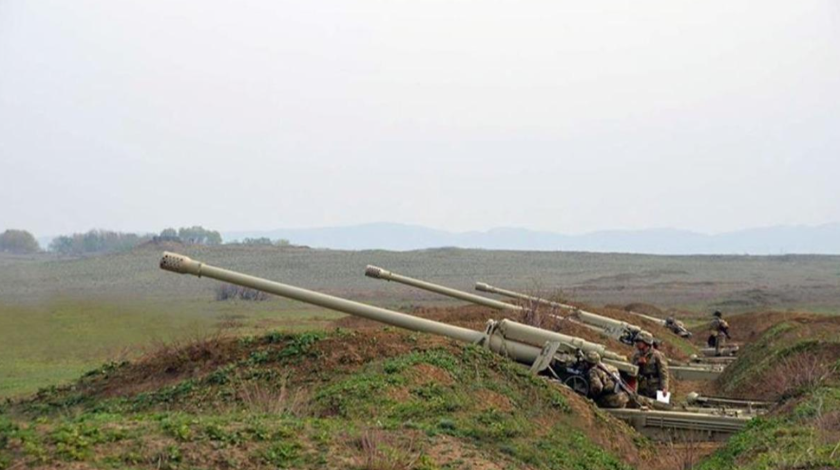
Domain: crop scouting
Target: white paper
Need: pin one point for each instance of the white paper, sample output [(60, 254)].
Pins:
[(663, 397)]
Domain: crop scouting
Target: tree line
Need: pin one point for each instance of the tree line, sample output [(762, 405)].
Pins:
[(107, 241)]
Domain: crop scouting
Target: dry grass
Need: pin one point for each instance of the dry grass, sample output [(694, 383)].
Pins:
[(802, 372), (681, 453), (379, 452), (273, 398)]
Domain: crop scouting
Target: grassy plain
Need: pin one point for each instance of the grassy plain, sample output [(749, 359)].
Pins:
[(62, 316)]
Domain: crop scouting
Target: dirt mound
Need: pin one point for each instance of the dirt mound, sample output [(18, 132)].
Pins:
[(377, 398), (199, 358), (784, 352), (750, 326), (793, 359)]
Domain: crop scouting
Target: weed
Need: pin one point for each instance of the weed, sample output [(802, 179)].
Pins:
[(281, 454), (301, 345), (178, 426), (380, 453)]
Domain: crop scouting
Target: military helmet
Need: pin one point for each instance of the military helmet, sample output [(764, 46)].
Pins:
[(717, 314), (592, 357), (644, 337)]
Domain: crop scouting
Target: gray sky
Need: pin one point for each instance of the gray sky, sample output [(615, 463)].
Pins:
[(552, 115)]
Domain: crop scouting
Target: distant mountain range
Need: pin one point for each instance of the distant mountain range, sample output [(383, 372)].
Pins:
[(823, 239)]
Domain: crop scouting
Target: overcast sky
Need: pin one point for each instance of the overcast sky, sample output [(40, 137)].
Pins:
[(462, 115)]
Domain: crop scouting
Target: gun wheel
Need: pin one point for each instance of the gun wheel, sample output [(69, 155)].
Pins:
[(578, 384)]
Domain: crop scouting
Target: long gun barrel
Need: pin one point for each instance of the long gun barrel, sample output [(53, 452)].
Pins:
[(379, 273), (624, 331), (484, 287), (676, 327), (385, 275), (518, 332), (529, 350)]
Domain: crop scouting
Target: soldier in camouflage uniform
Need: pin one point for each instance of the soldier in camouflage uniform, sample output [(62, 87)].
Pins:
[(603, 385), (653, 367), (677, 327), (718, 333)]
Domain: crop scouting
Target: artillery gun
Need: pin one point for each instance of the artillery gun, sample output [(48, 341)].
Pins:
[(672, 324), (677, 327), (544, 351), (728, 351), (385, 275), (695, 399), (622, 331), (548, 353)]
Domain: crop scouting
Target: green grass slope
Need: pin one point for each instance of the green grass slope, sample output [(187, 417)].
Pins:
[(371, 400), (795, 360)]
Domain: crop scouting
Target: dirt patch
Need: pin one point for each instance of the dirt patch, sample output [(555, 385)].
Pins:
[(422, 374), (349, 352), (489, 399), (168, 364), (679, 454), (445, 451), (399, 394)]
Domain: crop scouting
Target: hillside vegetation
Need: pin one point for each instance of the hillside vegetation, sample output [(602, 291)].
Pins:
[(385, 400), (794, 359)]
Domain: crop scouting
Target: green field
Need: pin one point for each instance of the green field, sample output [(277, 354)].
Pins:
[(60, 317)]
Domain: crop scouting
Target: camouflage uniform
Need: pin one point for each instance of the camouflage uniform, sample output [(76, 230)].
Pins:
[(719, 330), (675, 325), (653, 372), (604, 389)]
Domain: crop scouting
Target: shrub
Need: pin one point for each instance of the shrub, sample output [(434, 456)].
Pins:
[(96, 241), (231, 292), (18, 241), (198, 235)]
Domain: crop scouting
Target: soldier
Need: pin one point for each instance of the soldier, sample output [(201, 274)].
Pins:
[(604, 385), (653, 367), (719, 332), (677, 327)]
